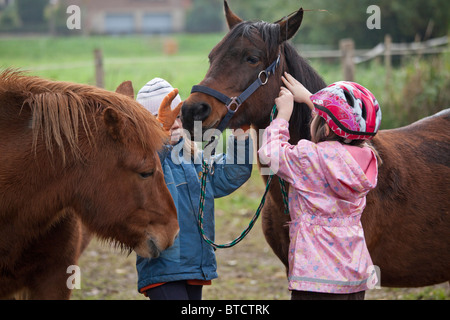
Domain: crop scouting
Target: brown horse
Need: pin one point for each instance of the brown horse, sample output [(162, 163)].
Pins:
[(73, 155), (407, 218)]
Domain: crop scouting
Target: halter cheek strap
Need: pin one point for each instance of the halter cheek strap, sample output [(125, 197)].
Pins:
[(214, 140), (262, 79)]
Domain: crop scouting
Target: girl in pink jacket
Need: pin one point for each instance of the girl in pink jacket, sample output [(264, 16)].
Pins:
[(329, 179)]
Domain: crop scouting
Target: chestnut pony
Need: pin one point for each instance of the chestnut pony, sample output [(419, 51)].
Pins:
[(74, 156), (407, 218)]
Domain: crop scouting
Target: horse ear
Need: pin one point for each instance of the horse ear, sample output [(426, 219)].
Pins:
[(113, 123), (232, 19), (126, 88), (290, 26)]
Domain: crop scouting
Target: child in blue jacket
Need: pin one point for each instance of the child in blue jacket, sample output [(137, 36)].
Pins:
[(180, 272)]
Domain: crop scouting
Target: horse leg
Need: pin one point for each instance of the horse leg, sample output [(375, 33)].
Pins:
[(275, 225), (86, 237), (52, 255)]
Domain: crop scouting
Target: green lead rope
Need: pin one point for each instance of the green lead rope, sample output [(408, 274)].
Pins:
[(282, 182), (205, 171)]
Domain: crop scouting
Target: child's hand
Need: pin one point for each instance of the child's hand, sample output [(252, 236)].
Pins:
[(301, 94), (285, 104)]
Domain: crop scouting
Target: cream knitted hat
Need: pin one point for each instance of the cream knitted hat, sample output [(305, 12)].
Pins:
[(152, 94)]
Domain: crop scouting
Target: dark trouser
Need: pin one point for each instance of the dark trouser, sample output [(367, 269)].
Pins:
[(177, 290), (307, 295)]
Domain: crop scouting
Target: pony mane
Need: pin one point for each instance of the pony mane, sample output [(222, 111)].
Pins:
[(59, 109), (255, 31), (300, 69)]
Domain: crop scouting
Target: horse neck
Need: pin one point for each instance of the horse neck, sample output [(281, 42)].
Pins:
[(29, 212), (294, 64), (42, 185)]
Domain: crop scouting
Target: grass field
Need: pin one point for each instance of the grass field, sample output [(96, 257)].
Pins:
[(125, 58), (248, 271)]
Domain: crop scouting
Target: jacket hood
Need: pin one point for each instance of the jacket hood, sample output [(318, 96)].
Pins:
[(350, 171)]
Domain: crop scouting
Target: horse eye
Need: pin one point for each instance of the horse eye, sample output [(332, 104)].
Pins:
[(146, 174), (252, 59)]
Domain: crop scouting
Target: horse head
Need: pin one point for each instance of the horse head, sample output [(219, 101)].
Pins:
[(236, 62), (92, 150), (141, 213)]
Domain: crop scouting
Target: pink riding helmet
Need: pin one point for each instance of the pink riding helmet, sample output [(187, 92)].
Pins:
[(349, 109)]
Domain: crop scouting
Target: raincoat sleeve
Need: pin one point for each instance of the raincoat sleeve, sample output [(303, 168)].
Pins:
[(234, 168), (284, 159)]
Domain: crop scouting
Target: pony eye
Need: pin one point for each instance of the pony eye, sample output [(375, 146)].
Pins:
[(146, 174), (252, 59)]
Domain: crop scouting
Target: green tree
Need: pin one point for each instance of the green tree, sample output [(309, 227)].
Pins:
[(31, 12), (205, 16), (328, 21)]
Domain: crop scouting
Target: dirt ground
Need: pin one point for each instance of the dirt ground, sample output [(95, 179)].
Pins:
[(248, 271)]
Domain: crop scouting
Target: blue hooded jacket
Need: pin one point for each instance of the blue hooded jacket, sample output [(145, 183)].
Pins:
[(191, 257)]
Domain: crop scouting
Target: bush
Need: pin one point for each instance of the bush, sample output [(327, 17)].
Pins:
[(205, 16), (9, 19), (31, 12), (427, 87)]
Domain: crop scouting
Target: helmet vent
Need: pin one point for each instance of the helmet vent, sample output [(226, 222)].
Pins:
[(349, 98)]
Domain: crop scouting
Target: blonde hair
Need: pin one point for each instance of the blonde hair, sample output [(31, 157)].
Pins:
[(320, 131)]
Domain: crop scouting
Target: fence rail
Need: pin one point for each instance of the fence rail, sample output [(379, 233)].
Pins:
[(431, 46), (350, 56)]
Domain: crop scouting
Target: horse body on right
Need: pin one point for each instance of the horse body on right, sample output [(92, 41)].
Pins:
[(407, 217)]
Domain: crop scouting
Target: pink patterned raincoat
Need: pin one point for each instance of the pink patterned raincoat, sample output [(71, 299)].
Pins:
[(327, 195)]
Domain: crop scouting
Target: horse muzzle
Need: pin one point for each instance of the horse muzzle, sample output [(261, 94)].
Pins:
[(194, 113), (148, 249)]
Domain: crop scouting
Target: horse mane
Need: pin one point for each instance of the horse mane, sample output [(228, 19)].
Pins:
[(300, 69), (254, 31), (297, 66), (59, 109)]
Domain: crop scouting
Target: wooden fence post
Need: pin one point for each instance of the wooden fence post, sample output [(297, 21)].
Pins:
[(347, 47), (99, 72), (388, 58)]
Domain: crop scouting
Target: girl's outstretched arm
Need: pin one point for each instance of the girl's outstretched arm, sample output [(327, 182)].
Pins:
[(300, 93)]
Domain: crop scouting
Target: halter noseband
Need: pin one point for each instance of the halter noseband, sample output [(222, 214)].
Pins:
[(238, 101)]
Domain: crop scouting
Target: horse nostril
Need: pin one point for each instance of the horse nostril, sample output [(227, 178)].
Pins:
[(153, 248), (200, 111), (190, 113)]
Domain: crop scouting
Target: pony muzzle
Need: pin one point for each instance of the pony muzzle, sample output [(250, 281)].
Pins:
[(192, 112), (148, 249), (152, 247)]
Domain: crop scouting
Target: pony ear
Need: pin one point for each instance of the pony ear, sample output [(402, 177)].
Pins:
[(290, 26), (232, 19), (113, 123), (126, 88)]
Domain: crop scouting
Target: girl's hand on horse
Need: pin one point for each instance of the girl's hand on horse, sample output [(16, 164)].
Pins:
[(301, 94), (285, 104), (167, 116)]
